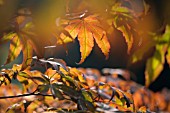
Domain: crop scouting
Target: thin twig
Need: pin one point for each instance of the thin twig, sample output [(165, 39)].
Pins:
[(23, 95)]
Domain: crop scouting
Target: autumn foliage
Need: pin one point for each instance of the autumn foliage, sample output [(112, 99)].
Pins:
[(59, 88)]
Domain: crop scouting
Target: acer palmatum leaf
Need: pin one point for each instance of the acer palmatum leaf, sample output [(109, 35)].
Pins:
[(87, 29)]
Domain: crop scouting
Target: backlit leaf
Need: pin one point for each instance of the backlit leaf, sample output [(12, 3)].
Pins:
[(128, 37), (73, 29), (168, 56), (123, 20), (27, 54), (101, 39), (155, 64), (139, 54), (87, 29), (118, 8), (85, 38), (16, 67), (166, 39), (64, 39), (14, 50), (7, 37), (87, 96)]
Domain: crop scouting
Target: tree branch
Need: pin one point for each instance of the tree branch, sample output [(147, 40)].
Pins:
[(23, 95)]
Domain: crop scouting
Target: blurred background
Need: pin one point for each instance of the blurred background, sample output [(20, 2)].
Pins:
[(45, 13)]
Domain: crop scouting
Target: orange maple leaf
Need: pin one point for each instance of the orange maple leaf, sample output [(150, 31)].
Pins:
[(87, 29)]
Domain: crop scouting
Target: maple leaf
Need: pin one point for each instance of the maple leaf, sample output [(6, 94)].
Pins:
[(20, 41), (123, 20), (27, 54), (87, 29), (14, 49), (128, 37)]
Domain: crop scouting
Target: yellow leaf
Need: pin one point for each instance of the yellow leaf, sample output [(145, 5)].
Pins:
[(86, 41), (168, 56), (64, 39), (73, 28), (16, 67), (128, 37), (124, 20), (7, 37), (27, 54), (101, 40), (155, 64), (14, 50)]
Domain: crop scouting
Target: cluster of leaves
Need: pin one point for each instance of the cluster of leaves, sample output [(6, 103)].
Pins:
[(58, 87), (65, 89), (144, 99), (85, 26)]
